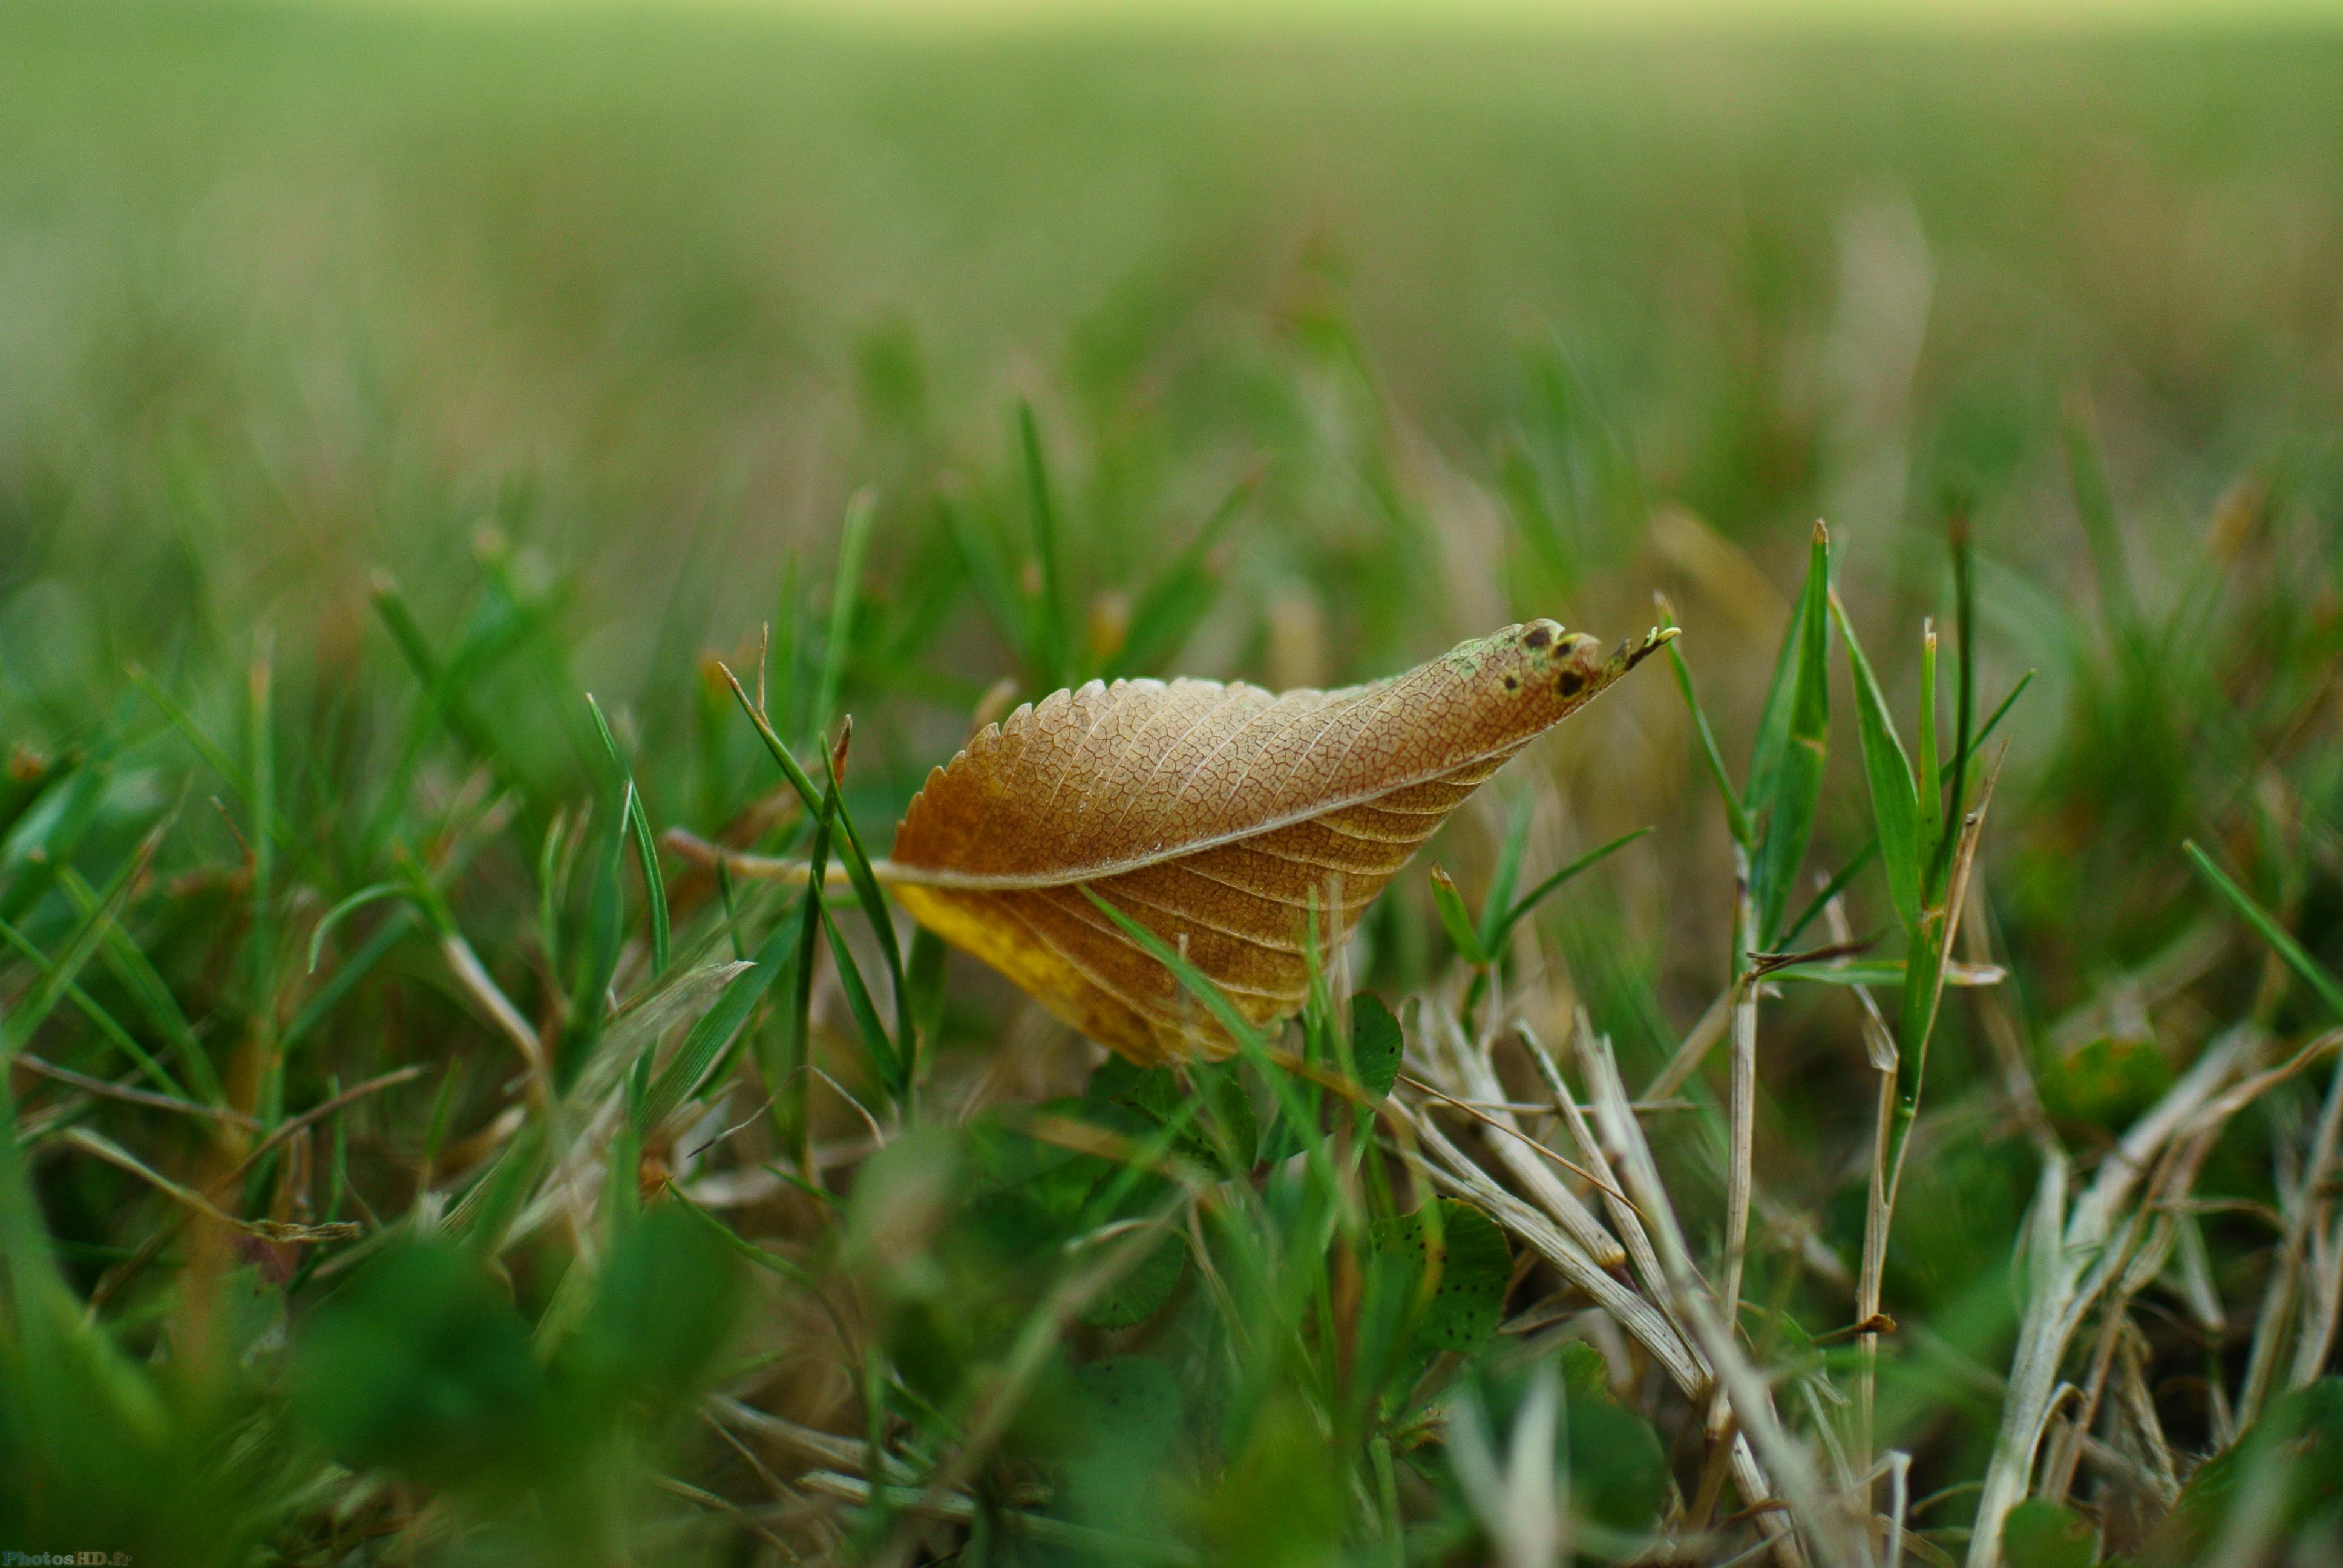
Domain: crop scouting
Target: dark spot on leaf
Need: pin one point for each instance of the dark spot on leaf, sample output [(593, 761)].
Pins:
[(1570, 682), (1538, 638), (1512, 683)]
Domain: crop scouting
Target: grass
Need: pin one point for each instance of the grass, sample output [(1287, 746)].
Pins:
[(1897, 1124)]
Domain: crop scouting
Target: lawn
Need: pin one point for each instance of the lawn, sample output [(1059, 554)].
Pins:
[(490, 497)]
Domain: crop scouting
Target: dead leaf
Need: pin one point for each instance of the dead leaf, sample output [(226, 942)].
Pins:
[(1215, 816)]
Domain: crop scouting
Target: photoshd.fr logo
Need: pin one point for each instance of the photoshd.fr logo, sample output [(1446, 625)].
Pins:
[(64, 1559)]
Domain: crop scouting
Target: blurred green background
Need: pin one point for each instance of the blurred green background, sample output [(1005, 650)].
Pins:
[(558, 340), (295, 295)]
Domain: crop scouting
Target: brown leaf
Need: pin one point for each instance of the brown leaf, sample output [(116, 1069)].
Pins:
[(1212, 815)]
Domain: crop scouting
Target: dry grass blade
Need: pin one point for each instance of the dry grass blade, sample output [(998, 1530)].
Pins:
[(959, 1508), (131, 1095), (1887, 1153), (828, 1448), (1744, 1391), (2033, 1368), (590, 1111), (1741, 1125), (1509, 1137), (2132, 1264), (2316, 1342), (319, 1112), (2138, 1407), (1218, 816), (690, 846), (1475, 1079), (1630, 1224), (2073, 1255), (2308, 1210), (112, 1153), (1449, 1168), (1698, 1041), (474, 977)]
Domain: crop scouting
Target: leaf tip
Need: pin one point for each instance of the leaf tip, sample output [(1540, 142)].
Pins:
[(1632, 653), (839, 747)]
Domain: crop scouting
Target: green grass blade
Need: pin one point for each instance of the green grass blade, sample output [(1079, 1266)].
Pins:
[(885, 1062), (553, 863), (443, 691), (136, 974), (995, 581), (799, 779), (1963, 704), (32, 1008), (1457, 920), (714, 1031), (1895, 804), (487, 1208), (645, 846), (334, 916), (654, 886), (1918, 1009), (260, 724), (2314, 974), (873, 899), (853, 543), (1839, 883), (427, 896), (1250, 1043), (1862, 857), (771, 1262), (1533, 512), (1928, 794), (40, 1305), (260, 937), (1736, 816), (1051, 644), (442, 1110), (36, 850), (606, 921), (1992, 723), (346, 978), (1554, 883), (930, 962), (1872, 973), (26, 778), (796, 1055), (2094, 505), (104, 1022), (1504, 880), (1172, 605), (622, 1188), (237, 780), (781, 662), (1786, 770)]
